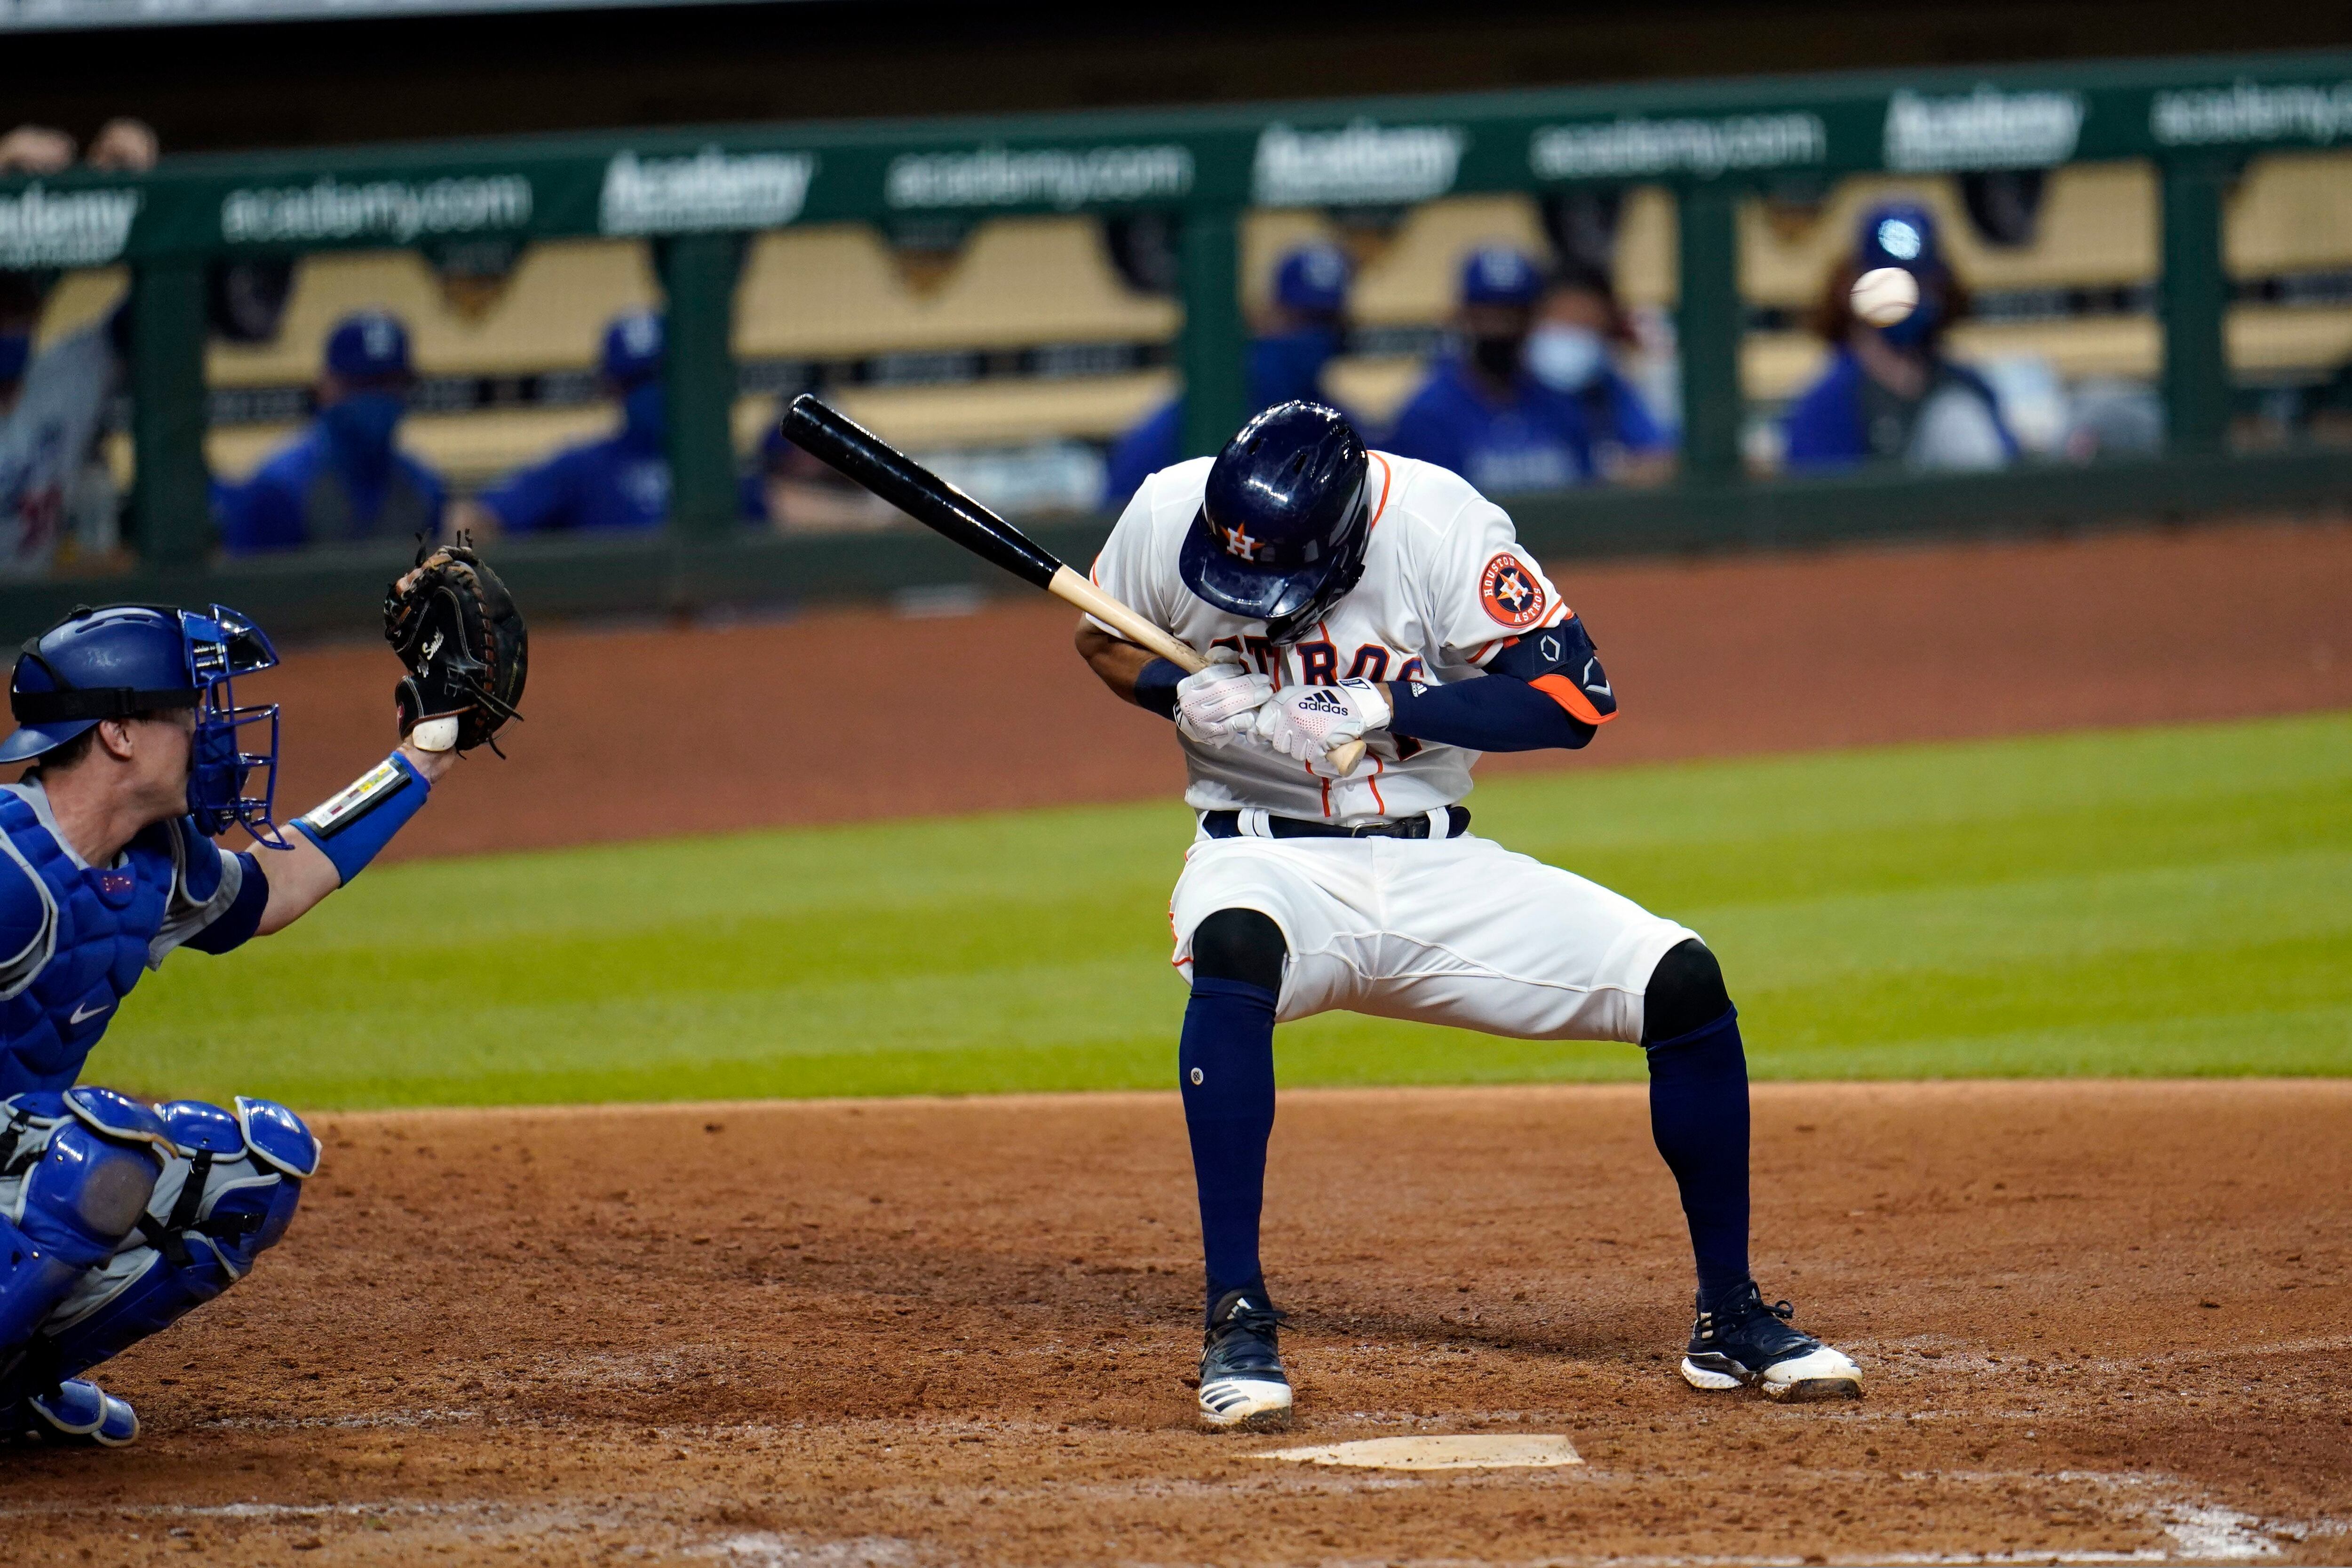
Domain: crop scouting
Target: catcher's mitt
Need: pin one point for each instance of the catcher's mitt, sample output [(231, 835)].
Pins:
[(456, 629)]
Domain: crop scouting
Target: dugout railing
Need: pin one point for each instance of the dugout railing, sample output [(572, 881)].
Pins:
[(694, 195)]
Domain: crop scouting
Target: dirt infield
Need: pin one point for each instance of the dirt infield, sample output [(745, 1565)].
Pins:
[(2101, 1322), (845, 715)]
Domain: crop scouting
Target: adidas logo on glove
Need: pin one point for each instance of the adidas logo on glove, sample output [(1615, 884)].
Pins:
[(1322, 701)]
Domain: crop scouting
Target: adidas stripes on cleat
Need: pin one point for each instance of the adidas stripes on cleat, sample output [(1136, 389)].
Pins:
[(1751, 1343), (1241, 1380)]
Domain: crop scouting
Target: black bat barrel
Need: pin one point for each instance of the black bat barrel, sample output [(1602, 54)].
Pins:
[(842, 443)]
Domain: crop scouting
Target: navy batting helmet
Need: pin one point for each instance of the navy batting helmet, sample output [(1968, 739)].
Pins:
[(1282, 527), (122, 659)]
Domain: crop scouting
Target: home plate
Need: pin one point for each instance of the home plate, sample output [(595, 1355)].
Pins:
[(1478, 1451)]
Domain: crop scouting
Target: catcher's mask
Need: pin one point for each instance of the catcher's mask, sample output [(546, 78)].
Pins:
[(121, 659)]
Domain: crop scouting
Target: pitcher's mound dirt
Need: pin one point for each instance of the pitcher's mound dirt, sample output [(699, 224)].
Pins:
[(2100, 1321)]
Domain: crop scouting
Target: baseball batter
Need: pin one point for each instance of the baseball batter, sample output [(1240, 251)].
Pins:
[(1346, 594), (117, 1217)]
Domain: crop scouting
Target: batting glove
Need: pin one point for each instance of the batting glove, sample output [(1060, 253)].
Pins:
[(1220, 704), (1306, 722)]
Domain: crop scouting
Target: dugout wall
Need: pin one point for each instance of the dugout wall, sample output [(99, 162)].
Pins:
[(693, 196)]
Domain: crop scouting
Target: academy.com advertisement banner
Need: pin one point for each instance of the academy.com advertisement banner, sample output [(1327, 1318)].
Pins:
[(1390, 153)]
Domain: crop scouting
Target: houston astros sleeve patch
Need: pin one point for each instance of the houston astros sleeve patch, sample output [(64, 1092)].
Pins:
[(1513, 596)]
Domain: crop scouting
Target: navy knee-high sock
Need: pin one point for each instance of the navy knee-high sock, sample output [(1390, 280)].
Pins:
[(1226, 1064), (1698, 1114)]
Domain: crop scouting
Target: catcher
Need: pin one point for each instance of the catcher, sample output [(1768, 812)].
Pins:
[(117, 1216)]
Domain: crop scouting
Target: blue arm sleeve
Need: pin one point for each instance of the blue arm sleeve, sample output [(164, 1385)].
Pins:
[(235, 925), (1494, 713), (1542, 689), (1155, 689), (354, 828)]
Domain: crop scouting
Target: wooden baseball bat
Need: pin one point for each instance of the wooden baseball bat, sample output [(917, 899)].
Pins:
[(842, 443)]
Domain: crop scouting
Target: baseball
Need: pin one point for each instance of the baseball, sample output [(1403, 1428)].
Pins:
[(1884, 295)]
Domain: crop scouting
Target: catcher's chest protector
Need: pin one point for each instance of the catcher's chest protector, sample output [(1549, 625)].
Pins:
[(101, 922)]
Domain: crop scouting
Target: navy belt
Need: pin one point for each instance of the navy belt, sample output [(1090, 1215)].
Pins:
[(1228, 825)]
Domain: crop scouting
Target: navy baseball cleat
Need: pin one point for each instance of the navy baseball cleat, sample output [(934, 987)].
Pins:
[(1751, 1343), (1241, 1380)]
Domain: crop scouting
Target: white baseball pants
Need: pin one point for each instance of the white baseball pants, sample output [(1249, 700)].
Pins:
[(1439, 931)]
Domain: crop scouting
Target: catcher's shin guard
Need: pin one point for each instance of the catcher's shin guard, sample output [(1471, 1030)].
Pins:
[(226, 1195), (76, 1169), (74, 1411)]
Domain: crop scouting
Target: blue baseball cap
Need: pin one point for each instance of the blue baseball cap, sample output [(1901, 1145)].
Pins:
[(633, 348), (1500, 275), (1314, 279), (1897, 234), (368, 344)]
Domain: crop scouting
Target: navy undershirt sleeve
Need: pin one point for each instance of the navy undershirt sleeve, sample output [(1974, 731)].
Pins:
[(1155, 689), (236, 924), (1492, 713)]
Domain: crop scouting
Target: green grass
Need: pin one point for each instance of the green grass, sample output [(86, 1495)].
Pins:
[(2163, 901)]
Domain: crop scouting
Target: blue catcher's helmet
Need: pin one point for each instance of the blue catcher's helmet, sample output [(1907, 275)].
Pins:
[(121, 659), (1282, 528)]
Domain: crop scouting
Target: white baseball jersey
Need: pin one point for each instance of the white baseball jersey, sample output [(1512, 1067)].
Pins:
[(44, 444), (1447, 929), (1445, 586)]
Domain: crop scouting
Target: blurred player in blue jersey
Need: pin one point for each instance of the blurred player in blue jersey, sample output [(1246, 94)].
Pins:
[(1579, 328), (1889, 391), (619, 481), (115, 1216), (1303, 328), (344, 478), (1520, 410)]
